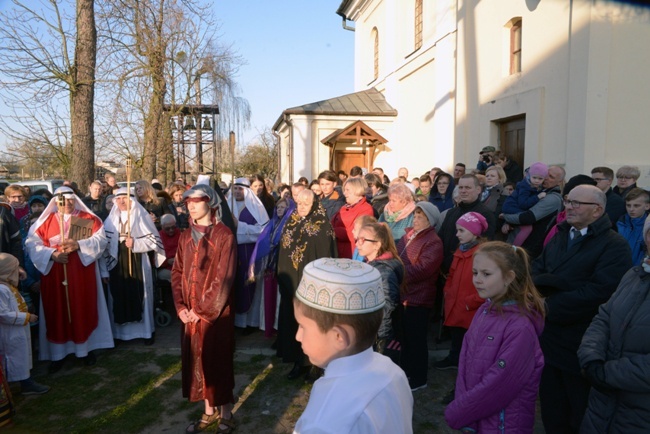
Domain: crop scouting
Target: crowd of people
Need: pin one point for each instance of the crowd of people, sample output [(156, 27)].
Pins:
[(520, 266)]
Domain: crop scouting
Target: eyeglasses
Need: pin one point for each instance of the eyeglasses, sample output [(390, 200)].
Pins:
[(600, 179), (362, 240), (624, 177), (443, 183), (575, 204)]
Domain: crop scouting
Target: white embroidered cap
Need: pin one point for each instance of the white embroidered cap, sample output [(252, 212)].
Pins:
[(341, 286)]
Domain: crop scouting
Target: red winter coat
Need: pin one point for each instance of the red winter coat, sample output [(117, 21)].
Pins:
[(343, 222), (461, 298)]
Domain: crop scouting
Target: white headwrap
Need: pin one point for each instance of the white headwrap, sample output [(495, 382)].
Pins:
[(40, 255), (141, 227), (252, 203), (53, 208)]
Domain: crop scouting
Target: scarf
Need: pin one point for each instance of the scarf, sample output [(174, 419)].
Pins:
[(299, 231), (267, 243), (394, 216), (468, 246)]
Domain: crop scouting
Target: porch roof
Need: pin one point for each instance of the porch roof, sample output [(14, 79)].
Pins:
[(368, 102)]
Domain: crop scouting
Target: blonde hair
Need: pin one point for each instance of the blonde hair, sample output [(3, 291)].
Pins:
[(357, 185), (149, 193), (500, 173), (521, 290)]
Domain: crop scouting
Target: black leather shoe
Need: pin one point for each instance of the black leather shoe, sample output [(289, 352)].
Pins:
[(296, 371), (55, 366), (313, 374), (90, 359), (151, 340)]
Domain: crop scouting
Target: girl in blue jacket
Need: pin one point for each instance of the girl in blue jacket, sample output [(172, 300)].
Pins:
[(501, 361)]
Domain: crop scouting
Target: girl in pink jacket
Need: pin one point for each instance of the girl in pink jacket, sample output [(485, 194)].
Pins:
[(501, 361)]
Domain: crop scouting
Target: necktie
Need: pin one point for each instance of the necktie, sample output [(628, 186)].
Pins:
[(575, 236)]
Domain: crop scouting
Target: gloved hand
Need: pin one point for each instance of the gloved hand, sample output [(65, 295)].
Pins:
[(595, 373)]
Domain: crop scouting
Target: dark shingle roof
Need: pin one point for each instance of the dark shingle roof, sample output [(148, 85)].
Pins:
[(369, 102)]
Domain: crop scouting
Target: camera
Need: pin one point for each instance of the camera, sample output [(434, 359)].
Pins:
[(487, 158)]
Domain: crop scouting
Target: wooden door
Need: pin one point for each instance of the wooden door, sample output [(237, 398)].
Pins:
[(346, 160), (512, 133)]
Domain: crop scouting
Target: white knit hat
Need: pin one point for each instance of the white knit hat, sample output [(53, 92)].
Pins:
[(341, 286)]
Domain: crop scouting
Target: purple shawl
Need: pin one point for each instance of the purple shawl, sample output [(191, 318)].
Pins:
[(267, 243)]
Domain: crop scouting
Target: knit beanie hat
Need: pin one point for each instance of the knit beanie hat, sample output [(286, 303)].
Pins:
[(576, 181), (431, 211), (538, 169), (341, 286), (38, 198), (473, 222)]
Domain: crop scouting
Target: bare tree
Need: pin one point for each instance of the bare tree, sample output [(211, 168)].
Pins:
[(164, 51), (260, 156), (38, 73)]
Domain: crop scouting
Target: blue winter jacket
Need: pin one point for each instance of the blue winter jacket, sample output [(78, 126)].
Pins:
[(632, 230)]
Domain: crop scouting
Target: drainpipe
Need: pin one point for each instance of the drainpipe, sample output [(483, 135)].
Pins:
[(345, 24), (278, 178), (287, 119)]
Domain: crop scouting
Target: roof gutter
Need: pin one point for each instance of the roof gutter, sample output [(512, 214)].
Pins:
[(345, 24)]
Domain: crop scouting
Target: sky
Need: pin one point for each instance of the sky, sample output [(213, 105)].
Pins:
[(296, 51)]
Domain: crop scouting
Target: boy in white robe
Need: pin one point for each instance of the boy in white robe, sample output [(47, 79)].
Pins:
[(15, 338), (339, 307)]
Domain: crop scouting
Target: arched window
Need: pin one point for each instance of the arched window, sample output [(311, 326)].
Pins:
[(418, 24), (515, 45), (375, 38)]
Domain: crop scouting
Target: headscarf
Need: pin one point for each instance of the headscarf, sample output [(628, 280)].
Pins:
[(298, 231), (252, 203), (268, 240), (141, 226), (9, 269)]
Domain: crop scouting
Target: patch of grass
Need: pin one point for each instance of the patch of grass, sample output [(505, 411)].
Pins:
[(122, 393)]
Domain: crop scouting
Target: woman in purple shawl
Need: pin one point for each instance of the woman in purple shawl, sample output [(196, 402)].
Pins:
[(264, 261)]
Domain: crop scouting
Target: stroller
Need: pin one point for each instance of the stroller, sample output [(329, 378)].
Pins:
[(161, 316)]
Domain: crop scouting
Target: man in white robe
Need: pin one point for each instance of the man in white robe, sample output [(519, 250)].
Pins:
[(250, 217), (131, 289), (73, 319)]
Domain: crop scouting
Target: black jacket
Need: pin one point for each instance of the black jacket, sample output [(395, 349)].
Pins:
[(615, 207), (575, 283), (10, 240)]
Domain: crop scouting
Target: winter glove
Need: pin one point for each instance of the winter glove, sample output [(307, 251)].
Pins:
[(595, 373)]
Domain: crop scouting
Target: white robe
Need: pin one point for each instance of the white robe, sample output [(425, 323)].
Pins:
[(145, 239), (90, 250), (15, 339), (363, 393)]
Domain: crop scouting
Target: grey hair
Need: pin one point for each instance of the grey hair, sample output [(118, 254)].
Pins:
[(631, 171), (401, 191)]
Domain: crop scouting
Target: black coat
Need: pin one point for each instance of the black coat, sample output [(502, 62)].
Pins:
[(447, 231), (619, 335), (513, 172), (575, 283), (615, 207)]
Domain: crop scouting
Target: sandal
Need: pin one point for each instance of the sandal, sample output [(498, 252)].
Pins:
[(204, 423), (226, 426)]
